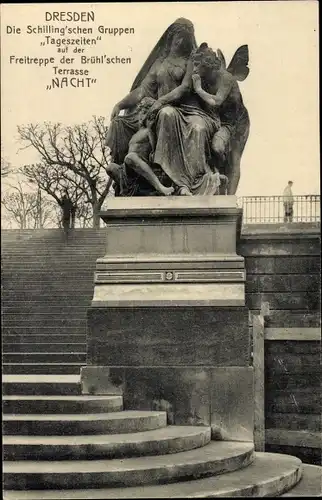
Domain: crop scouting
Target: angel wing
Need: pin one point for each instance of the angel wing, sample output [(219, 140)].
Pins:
[(238, 66), (222, 58), (154, 55)]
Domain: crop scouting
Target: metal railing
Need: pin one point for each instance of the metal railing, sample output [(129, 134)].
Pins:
[(271, 209)]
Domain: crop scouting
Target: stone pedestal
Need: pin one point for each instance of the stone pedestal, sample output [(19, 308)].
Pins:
[(168, 319), (176, 251)]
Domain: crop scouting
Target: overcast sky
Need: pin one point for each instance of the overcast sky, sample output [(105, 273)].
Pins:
[(281, 91)]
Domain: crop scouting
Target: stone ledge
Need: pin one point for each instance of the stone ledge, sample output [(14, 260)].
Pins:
[(174, 206), (281, 230), (305, 334), (174, 294)]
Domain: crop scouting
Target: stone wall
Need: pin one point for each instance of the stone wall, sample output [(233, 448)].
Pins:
[(293, 395), (283, 268)]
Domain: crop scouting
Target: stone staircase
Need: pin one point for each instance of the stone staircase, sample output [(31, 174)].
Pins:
[(47, 286), (59, 444)]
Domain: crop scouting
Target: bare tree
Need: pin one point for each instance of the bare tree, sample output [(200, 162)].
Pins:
[(77, 155), (20, 205), (57, 181), (6, 168), (84, 214), (43, 213)]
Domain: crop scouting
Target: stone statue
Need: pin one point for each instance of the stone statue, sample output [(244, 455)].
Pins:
[(185, 143), (218, 87)]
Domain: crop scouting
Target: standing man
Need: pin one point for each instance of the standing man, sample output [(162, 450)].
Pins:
[(67, 209), (288, 201)]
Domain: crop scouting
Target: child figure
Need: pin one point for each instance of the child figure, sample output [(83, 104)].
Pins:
[(136, 162), (141, 148)]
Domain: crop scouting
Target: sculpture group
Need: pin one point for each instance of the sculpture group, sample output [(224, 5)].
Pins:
[(184, 125)]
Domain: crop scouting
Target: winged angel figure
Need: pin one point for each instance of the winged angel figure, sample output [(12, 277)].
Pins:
[(197, 124), (217, 86)]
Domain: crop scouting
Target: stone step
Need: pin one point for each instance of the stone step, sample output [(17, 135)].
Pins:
[(50, 235), (50, 271), (40, 321), (45, 255), (42, 378), (17, 314), (48, 289), (53, 241), (69, 250), (58, 326), (20, 404), (172, 439), (268, 475), (38, 308), (80, 246), (310, 484), (43, 338), (214, 458), (54, 248), (53, 276), (66, 255), (84, 247), (41, 385), (38, 297), (33, 286), (45, 258), (42, 357), (47, 368), (71, 257), (54, 268), (122, 422), (58, 248), (49, 347)]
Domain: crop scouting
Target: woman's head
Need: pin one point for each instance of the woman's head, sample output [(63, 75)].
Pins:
[(181, 38), (178, 39)]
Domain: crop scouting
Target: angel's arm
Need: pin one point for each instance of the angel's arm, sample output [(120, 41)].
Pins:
[(220, 96), (224, 90), (205, 96)]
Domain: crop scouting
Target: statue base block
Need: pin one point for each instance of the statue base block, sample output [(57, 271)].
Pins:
[(168, 312), (171, 251)]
